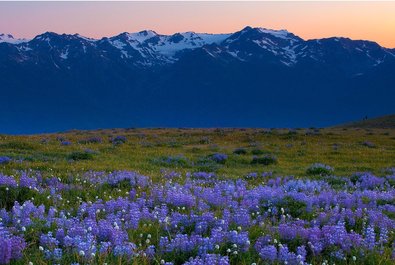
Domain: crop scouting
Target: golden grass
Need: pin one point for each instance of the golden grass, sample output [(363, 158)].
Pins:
[(337, 147)]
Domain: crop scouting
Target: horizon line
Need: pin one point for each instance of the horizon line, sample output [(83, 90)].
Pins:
[(180, 32)]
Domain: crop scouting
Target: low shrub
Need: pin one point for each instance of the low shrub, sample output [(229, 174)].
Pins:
[(91, 140), (264, 160), (78, 155), (240, 151), (172, 161), (295, 208), (319, 169), (204, 140), (207, 164), (17, 145), (368, 144), (257, 152), (219, 158)]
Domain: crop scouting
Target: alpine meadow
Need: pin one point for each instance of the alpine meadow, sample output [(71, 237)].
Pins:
[(197, 133)]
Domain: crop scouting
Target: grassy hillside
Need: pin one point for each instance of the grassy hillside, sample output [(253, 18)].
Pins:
[(383, 122)]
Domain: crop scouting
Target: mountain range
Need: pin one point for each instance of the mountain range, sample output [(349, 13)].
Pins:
[(255, 77)]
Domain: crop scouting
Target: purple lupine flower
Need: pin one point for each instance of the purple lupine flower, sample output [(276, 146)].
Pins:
[(198, 217), (5, 250), (383, 235), (4, 160), (219, 158), (301, 253), (209, 259), (57, 253), (11, 246), (65, 143), (251, 175), (370, 238), (28, 182), (48, 241), (126, 249), (117, 140), (7, 181), (268, 253), (150, 251)]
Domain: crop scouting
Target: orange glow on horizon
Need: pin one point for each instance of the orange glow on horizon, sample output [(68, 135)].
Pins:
[(357, 20)]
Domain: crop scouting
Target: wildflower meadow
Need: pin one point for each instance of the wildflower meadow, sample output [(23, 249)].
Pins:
[(201, 196)]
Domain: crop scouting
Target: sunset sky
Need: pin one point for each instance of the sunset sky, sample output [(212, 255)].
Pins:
[(357, 20)]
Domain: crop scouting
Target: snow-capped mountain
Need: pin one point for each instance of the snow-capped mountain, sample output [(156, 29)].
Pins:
[(8, 38), (148, 48), (253, 77), (257, 43), (150, 43)]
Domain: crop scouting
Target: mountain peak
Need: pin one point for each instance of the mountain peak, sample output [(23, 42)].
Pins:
[(282, 33), (265, 38), (83, 37), (247, 29), (53, 36), (147, 33), (2, 35), (140, 36), (8, 38), (177, 37), (277, 33), (46, 35)]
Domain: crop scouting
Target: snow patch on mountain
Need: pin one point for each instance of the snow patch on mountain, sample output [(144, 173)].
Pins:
[(64, 55), (170, 45), (8, 38), (157, 48), (213, 38), (283, 34), (142, 35), (149, 43), (85, 38), (25, 48)]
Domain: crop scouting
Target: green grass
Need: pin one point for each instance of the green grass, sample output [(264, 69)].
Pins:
[(295, 151)]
